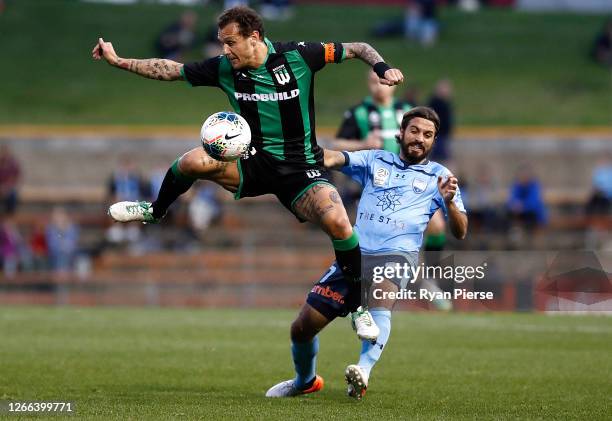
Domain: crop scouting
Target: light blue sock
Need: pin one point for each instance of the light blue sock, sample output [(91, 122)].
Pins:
[(370, 353), (305, 361)]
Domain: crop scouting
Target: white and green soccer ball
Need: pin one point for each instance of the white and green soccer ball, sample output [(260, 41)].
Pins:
[(225, 136)]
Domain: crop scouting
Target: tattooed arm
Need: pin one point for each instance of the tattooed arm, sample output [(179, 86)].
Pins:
[(153, 68), (363, 51), (369, 55)]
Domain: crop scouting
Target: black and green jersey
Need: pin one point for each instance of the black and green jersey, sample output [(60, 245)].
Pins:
[(360, 120), (276, 99)]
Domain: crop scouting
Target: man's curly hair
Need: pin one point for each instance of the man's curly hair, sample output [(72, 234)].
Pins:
[(247, 19)]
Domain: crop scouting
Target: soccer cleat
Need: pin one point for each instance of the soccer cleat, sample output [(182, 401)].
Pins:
[(133, 211), (287, 388), (357, 381), (364, 324)]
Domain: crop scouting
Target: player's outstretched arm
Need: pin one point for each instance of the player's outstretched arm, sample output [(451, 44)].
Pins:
[(368, 54), (457, 220), (333, 160), (153, 68)]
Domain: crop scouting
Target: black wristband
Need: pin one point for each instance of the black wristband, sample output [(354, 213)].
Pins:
[(380, 68), (347, 160)]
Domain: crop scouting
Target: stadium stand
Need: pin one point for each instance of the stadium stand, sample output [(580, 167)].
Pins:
[(257, 254)]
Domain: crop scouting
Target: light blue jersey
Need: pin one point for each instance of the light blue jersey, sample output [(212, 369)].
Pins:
[(397, 201)]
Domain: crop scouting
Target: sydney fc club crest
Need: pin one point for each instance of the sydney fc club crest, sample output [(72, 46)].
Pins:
[(419, 185), (281, 74)]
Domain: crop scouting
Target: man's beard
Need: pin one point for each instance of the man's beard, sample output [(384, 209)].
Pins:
[(414, 159)]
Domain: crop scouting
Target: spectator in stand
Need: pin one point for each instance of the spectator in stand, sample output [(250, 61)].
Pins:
[(525, 204), (602, 47), (421, 23), (204, 207), (62, 237), (125, 184), (480, 199), (600, 202), (39, 251), (441, 102), (228, 4), (176, 40), (10, 173), (276, 10), (10, 246)]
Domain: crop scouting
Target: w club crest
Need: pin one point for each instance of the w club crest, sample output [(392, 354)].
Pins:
[(281, 74)]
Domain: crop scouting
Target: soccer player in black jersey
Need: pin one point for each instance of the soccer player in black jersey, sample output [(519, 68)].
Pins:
[(271, 85)]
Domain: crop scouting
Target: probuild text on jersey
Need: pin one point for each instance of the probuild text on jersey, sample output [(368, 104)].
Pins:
[(276, 96)]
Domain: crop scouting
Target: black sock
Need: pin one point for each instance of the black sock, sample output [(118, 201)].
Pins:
[(173, 185), (350, 262), (348, 256)]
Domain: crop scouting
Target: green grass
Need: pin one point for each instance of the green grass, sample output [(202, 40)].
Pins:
[(509, 68), (117, 363)]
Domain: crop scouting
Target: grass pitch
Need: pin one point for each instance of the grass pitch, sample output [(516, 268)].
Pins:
[(117, 363)]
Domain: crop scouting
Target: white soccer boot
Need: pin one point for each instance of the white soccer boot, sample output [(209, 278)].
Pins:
[(287, 388), (132, 211), (357, 381), (364, 325)]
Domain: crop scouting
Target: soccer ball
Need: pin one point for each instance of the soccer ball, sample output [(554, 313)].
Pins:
[(225, 136)]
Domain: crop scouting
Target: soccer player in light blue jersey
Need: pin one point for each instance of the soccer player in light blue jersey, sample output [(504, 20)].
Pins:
[(400, 195)]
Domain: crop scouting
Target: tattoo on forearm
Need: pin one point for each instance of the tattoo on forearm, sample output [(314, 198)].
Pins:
[(362, 50), (153, 68)]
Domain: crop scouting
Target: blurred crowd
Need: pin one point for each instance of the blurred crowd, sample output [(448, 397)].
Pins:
[(54, 242), (50, 243), (194, 213), (51, 239)]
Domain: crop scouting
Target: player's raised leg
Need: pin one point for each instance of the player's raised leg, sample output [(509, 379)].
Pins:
[(195, 164), (304, 350)]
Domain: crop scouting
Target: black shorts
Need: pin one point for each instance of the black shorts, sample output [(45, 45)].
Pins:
[(334, 296), (261, 174)]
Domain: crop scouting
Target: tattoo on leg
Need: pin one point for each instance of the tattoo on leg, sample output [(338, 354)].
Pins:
[(212, 165), (222, 167), (334, 196), (312, 208), (322, 210)]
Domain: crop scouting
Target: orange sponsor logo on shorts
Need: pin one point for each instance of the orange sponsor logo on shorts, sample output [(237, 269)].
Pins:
[(328, 293), (330, 52)]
